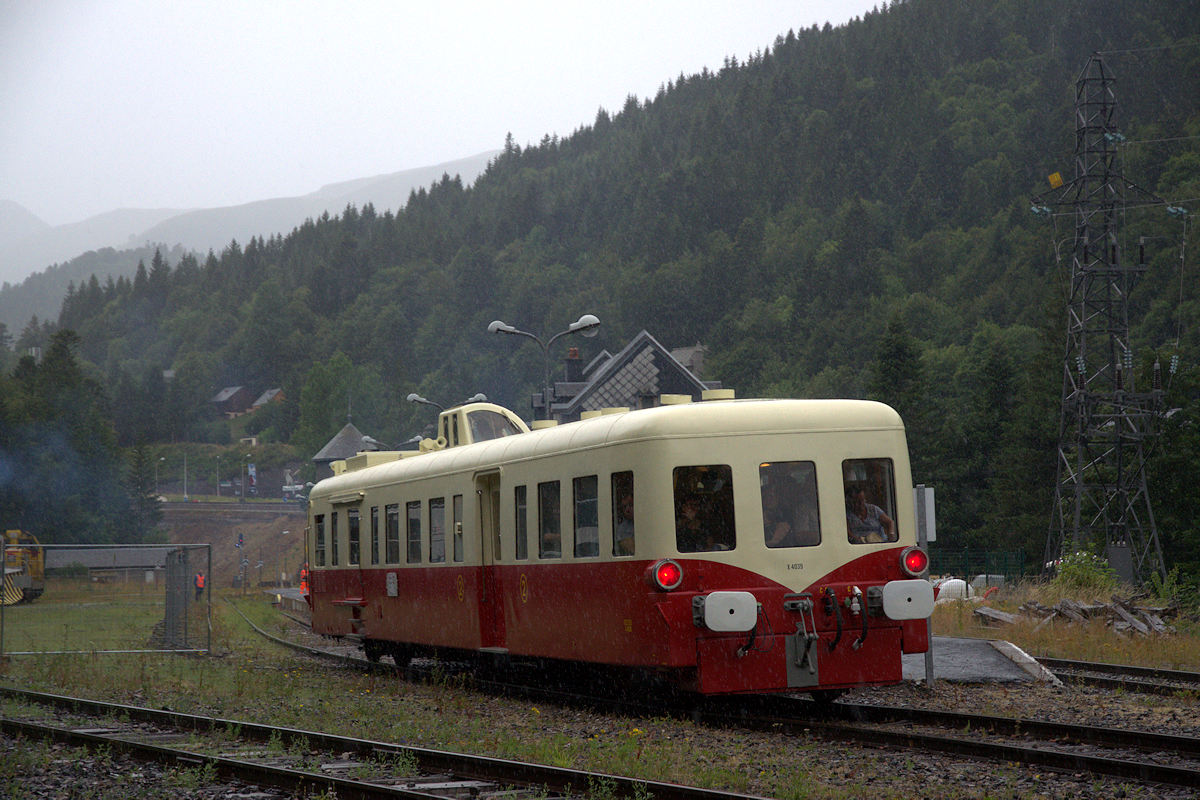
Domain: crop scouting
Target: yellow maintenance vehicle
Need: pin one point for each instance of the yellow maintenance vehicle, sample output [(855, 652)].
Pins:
[(24, 568)]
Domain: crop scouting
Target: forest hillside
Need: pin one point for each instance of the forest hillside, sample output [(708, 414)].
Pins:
[(845, 212)]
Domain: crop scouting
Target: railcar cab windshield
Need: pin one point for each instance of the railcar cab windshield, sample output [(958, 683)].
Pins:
[(478, 422)]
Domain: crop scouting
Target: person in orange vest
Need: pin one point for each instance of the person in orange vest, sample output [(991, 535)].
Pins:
[(199, 585), (304, 578)]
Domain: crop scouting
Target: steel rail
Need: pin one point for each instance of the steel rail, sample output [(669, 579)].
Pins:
[(498, 770), (805, 720), (1148, 679), (1038, 754), (1017, 726), (226, 768)]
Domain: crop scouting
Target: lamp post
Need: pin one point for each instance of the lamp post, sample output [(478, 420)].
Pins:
[(245, 461), (588, 325), (413, 397), (156, 463), (218, 476)]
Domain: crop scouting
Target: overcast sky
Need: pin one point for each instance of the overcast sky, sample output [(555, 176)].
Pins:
[(110, 104)]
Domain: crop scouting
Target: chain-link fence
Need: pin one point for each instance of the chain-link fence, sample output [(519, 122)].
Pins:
[(966, 563), (107, 598)]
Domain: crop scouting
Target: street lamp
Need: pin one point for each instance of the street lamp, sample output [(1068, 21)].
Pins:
[(156, 463), (218, 476), (413, 397), (245, 461), (588, 325)]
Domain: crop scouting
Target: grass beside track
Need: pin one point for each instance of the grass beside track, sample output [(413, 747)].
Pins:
[(250, 678), (1060, 638)]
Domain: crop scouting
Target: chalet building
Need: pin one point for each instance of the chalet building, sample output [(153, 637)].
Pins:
[(233, 401), (636, 377), (269, 396)]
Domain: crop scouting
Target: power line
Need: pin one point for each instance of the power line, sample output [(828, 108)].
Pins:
[(1155, 48), (1156, 141)]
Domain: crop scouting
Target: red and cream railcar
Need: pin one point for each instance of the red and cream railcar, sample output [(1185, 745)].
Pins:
[(733, 546)]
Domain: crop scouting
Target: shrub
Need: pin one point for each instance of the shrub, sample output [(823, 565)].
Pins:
[(1085, 572)]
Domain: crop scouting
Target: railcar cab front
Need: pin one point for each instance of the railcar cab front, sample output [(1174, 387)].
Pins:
[(477, 422)]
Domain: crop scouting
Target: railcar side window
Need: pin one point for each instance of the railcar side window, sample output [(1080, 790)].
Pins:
[(587, 518), (414, 532), (704, 508), (870, 491), (521, 511), (352, 533), (549, 515), (333, 540), (392, 536), (789, 503), (374, 534), (319, 535), (437, 530), (622, 513), (458, 527)]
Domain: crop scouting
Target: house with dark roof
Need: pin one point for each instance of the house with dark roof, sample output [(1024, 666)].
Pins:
[(269, 396), (635, 377), (233, 400)]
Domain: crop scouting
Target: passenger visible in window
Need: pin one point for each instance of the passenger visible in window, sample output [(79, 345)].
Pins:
[(777, 522), (704, 508), (789, 509), (689, 532), (866, 523), (623, 531)]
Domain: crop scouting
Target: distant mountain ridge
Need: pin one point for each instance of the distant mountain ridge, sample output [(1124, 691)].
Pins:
[(213, 228), (17, 222), (29, 246)]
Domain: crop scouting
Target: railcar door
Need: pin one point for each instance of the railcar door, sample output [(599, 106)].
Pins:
[(491, 612), (354, 550)]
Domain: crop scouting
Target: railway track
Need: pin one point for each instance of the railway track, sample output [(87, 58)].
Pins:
[(1149, 757), (1168, 759), (1121, 676), (299, 761)]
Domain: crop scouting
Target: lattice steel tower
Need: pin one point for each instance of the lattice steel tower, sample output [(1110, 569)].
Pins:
[(1100, 496)]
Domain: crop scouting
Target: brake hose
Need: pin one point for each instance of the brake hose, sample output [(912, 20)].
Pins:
[(862, 609), (831, 602)]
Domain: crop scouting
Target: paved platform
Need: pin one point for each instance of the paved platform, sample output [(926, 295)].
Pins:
[(290, 599), (975, 661)]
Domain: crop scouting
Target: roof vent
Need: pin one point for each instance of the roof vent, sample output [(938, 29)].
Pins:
[(717, 394), (542, 424), (674, 399)]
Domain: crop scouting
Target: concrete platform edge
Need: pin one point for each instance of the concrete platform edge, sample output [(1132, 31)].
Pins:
[(1025, 662)]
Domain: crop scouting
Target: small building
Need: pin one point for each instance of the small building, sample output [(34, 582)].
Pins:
[(232, 401), (269, 396), (346, 443)]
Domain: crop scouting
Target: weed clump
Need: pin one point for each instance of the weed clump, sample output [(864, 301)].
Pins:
[(1085, 573)]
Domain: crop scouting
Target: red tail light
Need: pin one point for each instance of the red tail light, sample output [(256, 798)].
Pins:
[(666, 575), (914, 561)]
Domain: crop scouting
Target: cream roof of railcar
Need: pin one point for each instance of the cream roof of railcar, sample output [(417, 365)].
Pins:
[(716, 418)]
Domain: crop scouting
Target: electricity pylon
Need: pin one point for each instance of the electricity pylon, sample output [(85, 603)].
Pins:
[(1100, 495)]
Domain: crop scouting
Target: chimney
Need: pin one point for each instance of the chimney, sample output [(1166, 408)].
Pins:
[(574, 371)]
